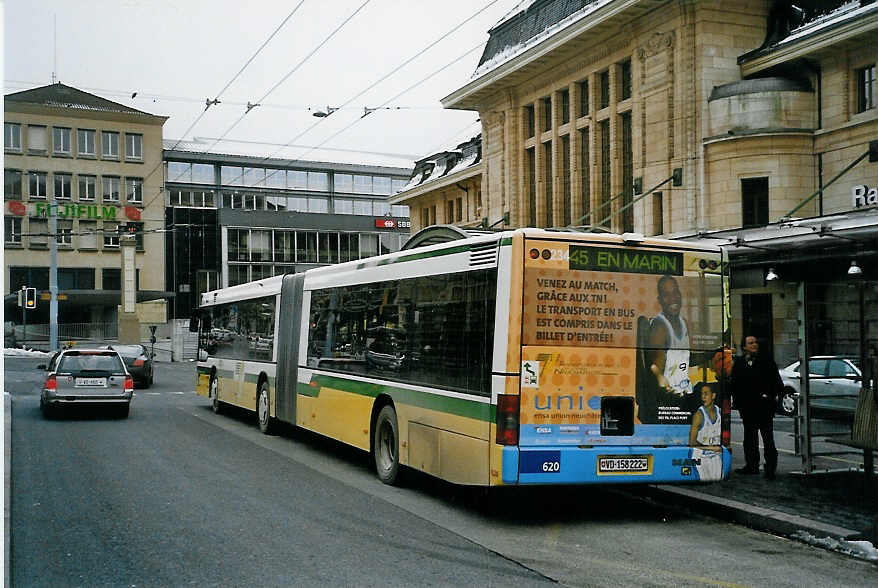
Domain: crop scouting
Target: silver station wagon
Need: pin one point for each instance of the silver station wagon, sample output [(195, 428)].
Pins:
[(87, 377)]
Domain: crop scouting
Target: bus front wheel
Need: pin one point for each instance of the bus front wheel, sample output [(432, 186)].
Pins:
[(386, 446), (266, 423)]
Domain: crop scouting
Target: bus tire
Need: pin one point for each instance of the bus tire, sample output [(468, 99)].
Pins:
[(385, 446), (215, 405), (263, 414)]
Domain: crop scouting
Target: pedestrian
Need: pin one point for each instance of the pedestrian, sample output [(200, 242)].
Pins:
[(756, 385)]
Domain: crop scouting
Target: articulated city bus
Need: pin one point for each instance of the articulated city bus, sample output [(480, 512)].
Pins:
[(526, 356)]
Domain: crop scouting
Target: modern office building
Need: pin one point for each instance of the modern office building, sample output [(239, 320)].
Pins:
[(94, 168), (744, 123), (231, 219)]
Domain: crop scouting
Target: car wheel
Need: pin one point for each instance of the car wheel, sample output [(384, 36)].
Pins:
[(46, 409), (385, 446), (266, 423), (150, 380), (788, 403), (216, 405), (122, 411)]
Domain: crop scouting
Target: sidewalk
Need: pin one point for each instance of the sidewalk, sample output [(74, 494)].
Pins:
[(829, 509)]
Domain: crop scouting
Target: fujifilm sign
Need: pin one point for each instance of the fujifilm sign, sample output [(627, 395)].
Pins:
[(864, 196)]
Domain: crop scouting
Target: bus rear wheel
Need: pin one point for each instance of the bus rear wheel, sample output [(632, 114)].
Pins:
[(266, 423), (385, 446)]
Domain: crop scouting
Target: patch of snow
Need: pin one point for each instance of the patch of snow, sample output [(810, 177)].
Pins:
[(845, 12), (414, 181), (464, 163), (859, 549), (17, 352), (439, 170)]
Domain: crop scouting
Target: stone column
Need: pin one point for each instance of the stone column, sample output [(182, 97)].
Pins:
[(129, 325)]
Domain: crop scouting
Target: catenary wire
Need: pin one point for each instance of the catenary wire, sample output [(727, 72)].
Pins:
[(291, 72), (413, 86), (216, 100), (348, 102), (383, 78)]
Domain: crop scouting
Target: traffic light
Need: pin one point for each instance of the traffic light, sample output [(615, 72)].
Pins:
[(30, 298)]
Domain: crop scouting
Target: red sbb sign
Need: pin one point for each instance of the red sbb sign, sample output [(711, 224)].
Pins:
[(389, 223)]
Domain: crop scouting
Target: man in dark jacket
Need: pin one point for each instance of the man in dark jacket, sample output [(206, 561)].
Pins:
[(756, 384)]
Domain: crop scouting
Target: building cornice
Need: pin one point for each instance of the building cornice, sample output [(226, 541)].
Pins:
[(297, 164)]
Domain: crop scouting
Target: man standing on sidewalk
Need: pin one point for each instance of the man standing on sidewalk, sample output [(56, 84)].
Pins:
[(756, 385)]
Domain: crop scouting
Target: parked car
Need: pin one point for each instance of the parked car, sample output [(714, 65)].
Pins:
[(86, 377), (834, 385), (139, 362)]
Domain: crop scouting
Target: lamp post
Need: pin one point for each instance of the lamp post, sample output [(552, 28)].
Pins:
[(53, 274)]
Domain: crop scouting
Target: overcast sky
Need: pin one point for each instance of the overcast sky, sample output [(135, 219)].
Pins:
[(176, 54)]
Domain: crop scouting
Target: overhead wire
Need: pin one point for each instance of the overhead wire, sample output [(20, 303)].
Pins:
[(291, 72), (191, 99), (386, 102), (216, 100), (396, 69), (359, 94)]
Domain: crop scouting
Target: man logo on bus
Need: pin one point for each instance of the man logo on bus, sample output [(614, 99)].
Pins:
[(530, 374)]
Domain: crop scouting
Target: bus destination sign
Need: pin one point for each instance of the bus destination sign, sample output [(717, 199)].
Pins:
[(632, 261)]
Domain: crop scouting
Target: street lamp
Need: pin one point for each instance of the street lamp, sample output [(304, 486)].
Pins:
[(367, 111), (324, 113)]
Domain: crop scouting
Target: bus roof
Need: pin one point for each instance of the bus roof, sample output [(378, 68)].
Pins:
[(272, 286)]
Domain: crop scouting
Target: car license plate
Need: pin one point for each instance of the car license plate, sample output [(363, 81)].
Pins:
[(91, 382), (624, 464)]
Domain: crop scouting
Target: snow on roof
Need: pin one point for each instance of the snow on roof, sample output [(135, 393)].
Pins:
[(464, 163), (845, 12), (512, 50)]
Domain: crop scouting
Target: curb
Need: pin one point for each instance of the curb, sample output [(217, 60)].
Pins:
[(7, 486), (755, 517)]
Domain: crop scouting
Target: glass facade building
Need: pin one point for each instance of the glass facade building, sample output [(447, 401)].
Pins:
[(231, 219)]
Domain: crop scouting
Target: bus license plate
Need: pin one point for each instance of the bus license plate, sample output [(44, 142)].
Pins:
[(91, 382), (623, 464)]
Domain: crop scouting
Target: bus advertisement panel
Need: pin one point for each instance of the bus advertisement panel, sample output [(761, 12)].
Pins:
[(616, 348)]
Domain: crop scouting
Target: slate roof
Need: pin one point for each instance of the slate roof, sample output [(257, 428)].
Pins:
[(63, 96), (528, 20), (446, 163)]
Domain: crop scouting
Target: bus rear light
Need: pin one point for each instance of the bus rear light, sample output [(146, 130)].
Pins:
[(51, 383), (129, 383), (534, 253), (725, 419), (508, 406)]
